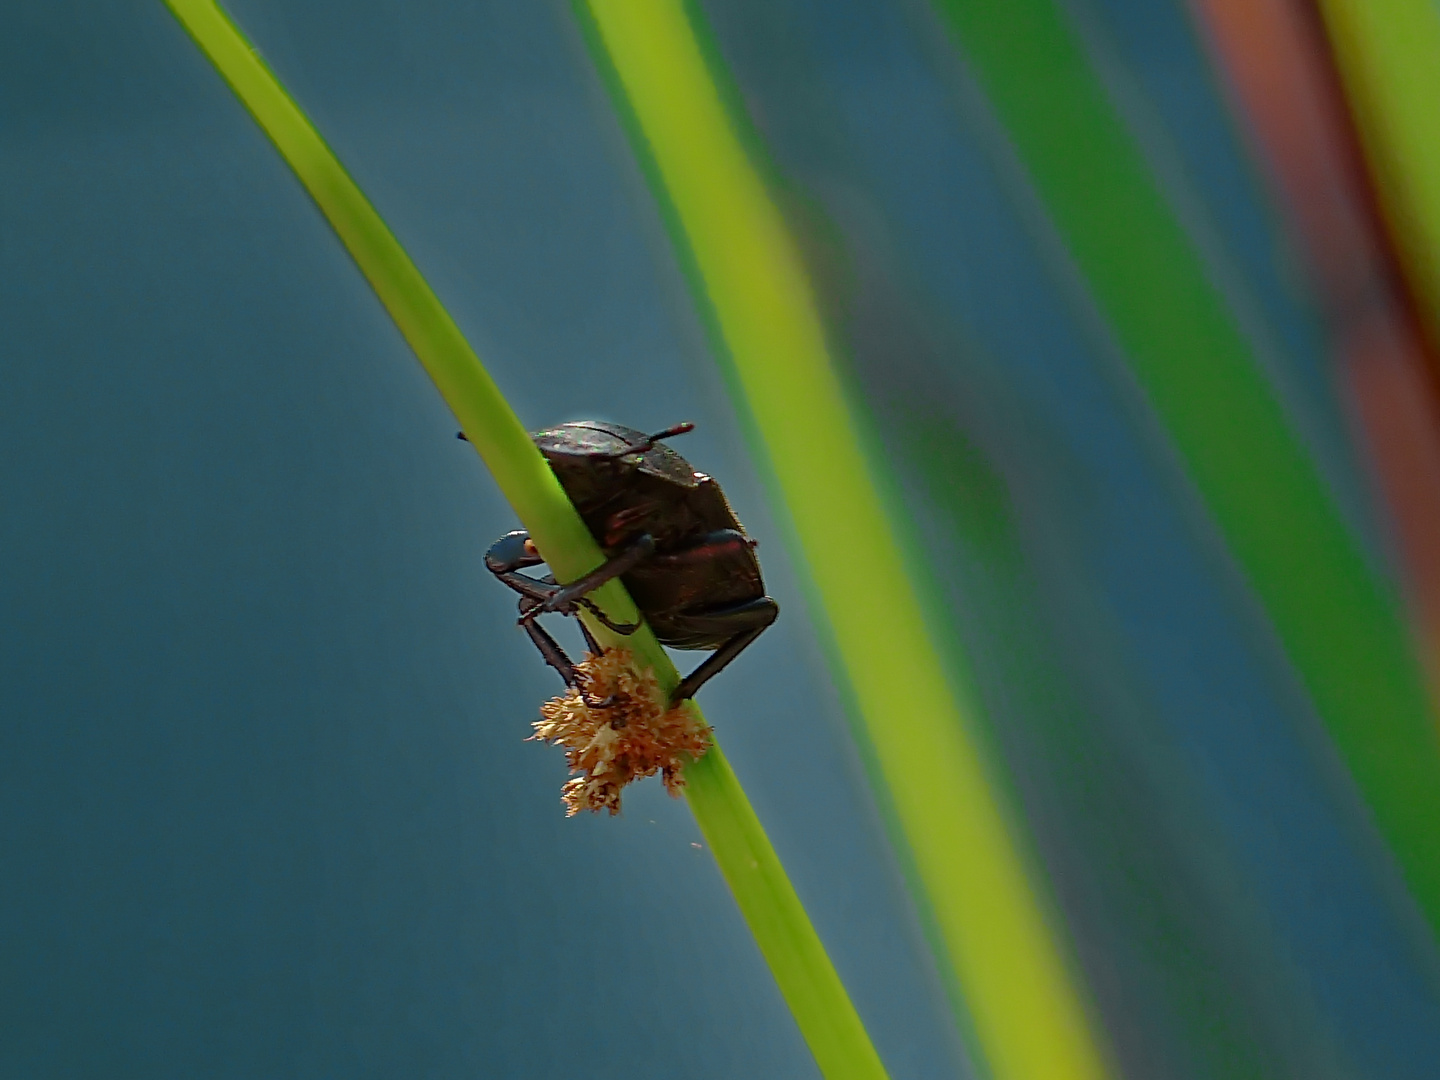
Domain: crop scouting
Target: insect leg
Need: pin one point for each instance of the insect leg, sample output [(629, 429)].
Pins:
[(590, 642), (750, 620), (548, 646), (514, 550), (555, 656), (505, 558), (566, 597), (626, 628)]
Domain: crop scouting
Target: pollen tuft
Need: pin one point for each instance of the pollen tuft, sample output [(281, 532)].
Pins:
[(633, 736)]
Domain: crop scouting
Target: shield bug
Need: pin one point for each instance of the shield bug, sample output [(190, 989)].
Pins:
[(668, 534)]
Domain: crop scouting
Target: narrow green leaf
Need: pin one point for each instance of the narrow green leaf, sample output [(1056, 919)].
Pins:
[(747, 277), (782, 929), (1337, 621)]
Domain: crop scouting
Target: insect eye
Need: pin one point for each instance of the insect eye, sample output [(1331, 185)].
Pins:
[(530, 548)]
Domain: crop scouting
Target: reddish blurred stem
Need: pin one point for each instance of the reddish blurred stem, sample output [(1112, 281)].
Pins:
[(1279, 66)]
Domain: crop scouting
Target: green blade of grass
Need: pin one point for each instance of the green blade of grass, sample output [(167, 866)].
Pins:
[(783, 931), (1026, 1013), (1337, 621)]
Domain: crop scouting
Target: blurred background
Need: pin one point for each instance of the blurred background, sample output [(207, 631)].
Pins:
[(1135, 308)]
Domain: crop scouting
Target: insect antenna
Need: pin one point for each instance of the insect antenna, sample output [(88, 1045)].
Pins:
[(630, 448), (640, 446), (651, 440)]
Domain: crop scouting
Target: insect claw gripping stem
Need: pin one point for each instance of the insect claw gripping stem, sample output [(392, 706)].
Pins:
[(562, 600), (555, 656), (625, 628)]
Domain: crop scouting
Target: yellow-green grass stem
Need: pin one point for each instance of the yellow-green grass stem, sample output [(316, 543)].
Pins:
[(1024, 1009), (762, 890), (1389, 57)]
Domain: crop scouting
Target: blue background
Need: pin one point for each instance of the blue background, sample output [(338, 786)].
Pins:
[(265, 804)]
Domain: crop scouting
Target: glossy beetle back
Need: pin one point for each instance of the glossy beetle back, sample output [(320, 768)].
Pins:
[(587, 457), (594, 444), (698, 583)]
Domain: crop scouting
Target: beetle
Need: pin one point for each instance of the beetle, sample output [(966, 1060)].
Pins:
[(668, 534)]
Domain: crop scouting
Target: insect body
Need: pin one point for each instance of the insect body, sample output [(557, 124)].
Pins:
[(667, 532)]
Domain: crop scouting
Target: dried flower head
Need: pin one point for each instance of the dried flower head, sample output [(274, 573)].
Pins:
[(633, 735)]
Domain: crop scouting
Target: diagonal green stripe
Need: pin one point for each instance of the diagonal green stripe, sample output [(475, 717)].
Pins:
[(1338, 623), (762, 890), (1027, 1014)]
